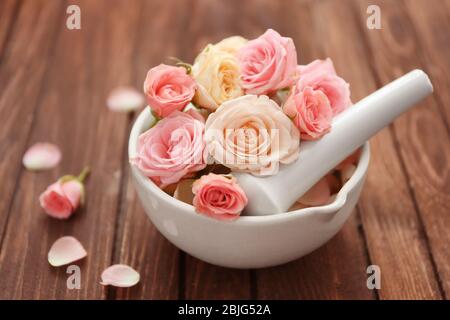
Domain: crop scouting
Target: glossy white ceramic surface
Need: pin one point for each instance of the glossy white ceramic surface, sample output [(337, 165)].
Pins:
[(350, 129), (250, 241)]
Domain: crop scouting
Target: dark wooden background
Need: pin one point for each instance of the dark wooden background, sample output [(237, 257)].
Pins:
[(53, 86)]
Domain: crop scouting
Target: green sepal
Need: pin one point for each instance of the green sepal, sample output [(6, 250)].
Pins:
[(155, 117), (67, 178)]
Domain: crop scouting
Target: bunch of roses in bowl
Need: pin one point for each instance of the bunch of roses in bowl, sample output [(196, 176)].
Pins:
[(243, 106)]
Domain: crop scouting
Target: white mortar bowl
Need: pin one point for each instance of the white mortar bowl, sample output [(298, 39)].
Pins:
[(250, 241)]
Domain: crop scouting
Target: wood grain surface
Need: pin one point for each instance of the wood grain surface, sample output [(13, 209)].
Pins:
[(54, 83)]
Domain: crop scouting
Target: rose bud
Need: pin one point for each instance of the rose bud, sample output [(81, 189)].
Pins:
[(267, 63), (172, 149), (311, 112), (219, 197), (216, 73), (63, 197), (321, 75), (168, 89)]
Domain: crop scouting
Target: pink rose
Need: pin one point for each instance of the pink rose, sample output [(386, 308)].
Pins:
[(268, 63), (310, 111), (219, 197), (172, 149), (62, 198), (321, 75), (168, 88)]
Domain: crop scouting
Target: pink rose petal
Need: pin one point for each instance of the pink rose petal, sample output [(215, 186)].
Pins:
[(333, 182), (196, 114), (41, 156), (125, 99), (297, 206), (120, 275), (351, 159), (65, 250), (318, 195), (347, 172)]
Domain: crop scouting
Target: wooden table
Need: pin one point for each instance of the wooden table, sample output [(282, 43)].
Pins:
[(53, 86)]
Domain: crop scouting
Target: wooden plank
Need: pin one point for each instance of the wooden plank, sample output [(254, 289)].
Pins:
[(138, 242), (8, 11), (338, 269), (335, 271), (398, 242), (143, 247), (85, 66), (22, 72), (432, 24), (206, 281)]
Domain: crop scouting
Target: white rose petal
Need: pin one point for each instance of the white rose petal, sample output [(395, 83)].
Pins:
[(42, 156), (120, 275), (251, 134), (65, 250), (125, 99)]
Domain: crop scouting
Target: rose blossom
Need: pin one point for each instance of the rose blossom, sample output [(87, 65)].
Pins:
[(321, 75), (216, 73), (251, 134), (310, 111), (231, 44), (168, 88), (219, 197), (268, 63), (171, 149), (63, 197)]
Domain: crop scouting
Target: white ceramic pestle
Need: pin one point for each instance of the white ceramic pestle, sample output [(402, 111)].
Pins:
[(350, 129)]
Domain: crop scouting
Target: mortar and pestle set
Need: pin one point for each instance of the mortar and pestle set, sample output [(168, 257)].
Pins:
[(266, 234)]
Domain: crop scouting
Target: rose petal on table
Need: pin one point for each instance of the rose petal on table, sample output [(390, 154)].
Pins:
[(66, 250), (125, 99), (347, 172), (120, 275), (41, 156), (318, 195), (183, 192)]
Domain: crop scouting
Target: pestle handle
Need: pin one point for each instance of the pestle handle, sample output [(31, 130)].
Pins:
[(350, 129)]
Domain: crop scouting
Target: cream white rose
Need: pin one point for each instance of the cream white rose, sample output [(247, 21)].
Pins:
[(231, 44), (252, 134), (217, 75)]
